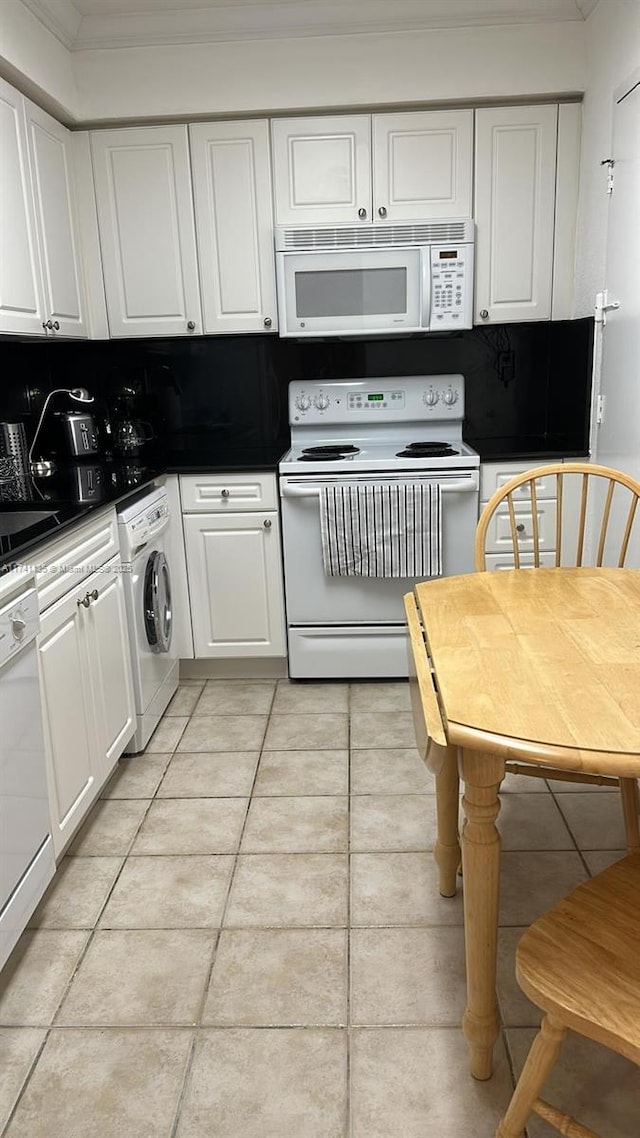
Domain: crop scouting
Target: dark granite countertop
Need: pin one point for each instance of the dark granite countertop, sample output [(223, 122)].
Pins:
[(68, 496)]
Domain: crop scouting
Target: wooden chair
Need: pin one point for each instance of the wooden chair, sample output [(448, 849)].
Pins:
[(580, 964), (606, 502)]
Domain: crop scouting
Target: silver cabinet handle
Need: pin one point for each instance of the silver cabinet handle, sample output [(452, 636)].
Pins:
[(362, 212), (48, 324), (382, 211), (56, 325), (268, 321), (44, 323), (224, 493), (191, 325), (483, 313), (267, 523), (88, 598)]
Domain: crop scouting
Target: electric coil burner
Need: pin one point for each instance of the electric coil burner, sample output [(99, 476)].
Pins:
[(427, 450), (391, 430), (326, 453)]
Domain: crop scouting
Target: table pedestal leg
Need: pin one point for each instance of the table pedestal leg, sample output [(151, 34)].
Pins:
[(482, 774)]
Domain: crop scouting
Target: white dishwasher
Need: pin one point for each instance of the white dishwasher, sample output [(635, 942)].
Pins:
[(27, 861)]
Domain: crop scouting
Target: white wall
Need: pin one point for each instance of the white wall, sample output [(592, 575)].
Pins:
[(613, 52), (189, 80), (35, 60)]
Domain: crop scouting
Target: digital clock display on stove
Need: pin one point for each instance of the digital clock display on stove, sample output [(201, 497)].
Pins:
[(375, 398)]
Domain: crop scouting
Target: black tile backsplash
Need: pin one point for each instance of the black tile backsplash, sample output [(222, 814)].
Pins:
[(528, 385)]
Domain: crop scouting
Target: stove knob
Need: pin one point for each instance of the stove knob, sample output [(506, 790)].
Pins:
[(321, 402), (430, 397), (303, 402), (450, 397)]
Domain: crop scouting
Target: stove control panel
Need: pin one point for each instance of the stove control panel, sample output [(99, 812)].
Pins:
[(391, 399), (376, 400)]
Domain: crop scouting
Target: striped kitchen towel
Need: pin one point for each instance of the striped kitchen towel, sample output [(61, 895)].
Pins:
[(385, 529)]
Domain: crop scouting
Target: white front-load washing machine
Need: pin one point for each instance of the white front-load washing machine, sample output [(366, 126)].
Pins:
[(143, 528)]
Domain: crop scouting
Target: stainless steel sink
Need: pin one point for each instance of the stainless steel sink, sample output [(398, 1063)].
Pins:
[(14, 521)]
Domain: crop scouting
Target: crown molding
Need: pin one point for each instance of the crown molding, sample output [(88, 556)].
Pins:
[(61, 18), (288, 20)]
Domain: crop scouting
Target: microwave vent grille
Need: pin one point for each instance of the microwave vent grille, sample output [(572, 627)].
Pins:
[(375, 236)]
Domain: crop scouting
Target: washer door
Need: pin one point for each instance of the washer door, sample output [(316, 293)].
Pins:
[(158, 614)]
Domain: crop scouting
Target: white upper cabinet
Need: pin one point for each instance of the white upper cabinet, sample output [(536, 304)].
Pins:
[(355, 169), (147, 232), (422, 165), (232, 193), (514, 212), (21, 300), (322, 170), (54, 193)]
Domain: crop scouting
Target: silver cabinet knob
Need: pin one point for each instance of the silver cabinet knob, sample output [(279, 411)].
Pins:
[(484, 313), (191, 325), (382, 211), (267, 321), (56, 325), (224, 493), (44, 323), (93, 595), (84, 601), (362, 212), (520, 528), (48, 324), (267, 523)]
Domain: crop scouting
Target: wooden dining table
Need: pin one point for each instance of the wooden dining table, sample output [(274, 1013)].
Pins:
[(541, 666)]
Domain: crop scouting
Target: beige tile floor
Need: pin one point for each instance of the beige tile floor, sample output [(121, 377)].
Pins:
[(246, 939)]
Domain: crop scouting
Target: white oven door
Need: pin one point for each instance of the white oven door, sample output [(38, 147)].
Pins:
[(314, 599), (352, 292)]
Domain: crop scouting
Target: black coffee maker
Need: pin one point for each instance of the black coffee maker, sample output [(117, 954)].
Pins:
[(130, 434)]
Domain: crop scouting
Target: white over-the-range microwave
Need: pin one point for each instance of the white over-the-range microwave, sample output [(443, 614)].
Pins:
[(385, 279)]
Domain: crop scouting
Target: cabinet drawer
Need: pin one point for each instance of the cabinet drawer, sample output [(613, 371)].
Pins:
[(494, 475), (210, 493), (506, 560), (498, 539), (62, 564)]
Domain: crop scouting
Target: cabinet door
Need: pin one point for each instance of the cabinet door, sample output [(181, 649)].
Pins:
[(147, 232), (67, 716), (422, 165), (322, 170), (515, 196), (50, 153), (232, 191), (235, 583), (21, 301), (109, 666)]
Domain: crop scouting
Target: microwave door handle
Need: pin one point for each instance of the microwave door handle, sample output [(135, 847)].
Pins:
[(425, 275)]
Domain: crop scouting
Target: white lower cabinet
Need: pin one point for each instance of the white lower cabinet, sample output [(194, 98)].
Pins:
[(234, 567), (498, 542), (87, 694)]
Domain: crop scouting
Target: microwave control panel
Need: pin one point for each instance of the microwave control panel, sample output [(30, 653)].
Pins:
[(451, 287)]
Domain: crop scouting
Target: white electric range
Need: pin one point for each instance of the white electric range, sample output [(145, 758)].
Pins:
[(382, 430)]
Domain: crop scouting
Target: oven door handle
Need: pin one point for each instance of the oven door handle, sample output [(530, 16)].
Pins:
[(456, 486)]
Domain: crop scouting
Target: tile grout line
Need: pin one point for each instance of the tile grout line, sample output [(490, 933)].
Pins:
[(81, 957)]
